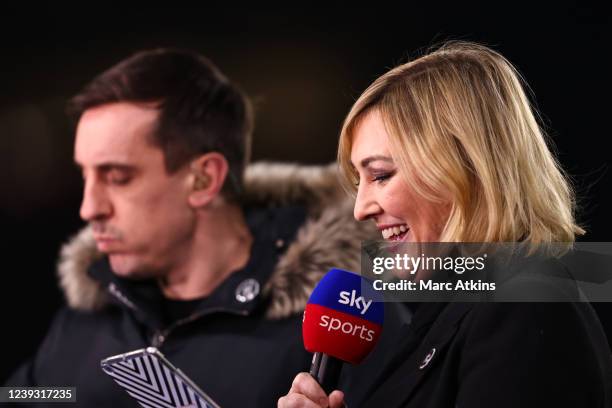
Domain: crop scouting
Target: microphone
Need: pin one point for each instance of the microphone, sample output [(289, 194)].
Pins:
[(342, 323)]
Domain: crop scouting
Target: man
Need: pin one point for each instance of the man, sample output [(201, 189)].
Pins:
[(182, 252)]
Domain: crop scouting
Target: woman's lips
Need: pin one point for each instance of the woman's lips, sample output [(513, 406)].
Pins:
[(394, 232), (400, 237)]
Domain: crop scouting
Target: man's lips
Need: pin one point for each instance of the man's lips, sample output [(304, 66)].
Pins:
[(106, 244), (105, 238)]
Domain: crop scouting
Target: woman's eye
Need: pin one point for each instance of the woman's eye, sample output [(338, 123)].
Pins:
[(381, 177), (376, 178)]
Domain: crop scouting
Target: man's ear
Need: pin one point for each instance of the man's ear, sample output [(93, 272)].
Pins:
[(208, 174)]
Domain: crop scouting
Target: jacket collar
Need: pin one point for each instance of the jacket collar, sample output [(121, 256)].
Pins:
[(239, 294), (329, 237)]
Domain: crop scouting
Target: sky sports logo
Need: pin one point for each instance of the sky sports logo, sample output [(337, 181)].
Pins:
[(334, 324), (351, 299), (340, 320)]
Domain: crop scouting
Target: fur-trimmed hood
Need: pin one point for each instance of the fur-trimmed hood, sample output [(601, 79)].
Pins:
[(330, 237)]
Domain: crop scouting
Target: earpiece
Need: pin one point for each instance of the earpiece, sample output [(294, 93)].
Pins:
[(201, 181)]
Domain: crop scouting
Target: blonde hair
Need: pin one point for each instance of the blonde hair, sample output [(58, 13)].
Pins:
[(461, 125)]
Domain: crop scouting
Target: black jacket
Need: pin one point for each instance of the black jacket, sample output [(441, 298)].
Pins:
[(502, 355), (240, 353)]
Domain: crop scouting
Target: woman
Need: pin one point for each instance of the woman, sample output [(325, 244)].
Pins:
[(446, 148)]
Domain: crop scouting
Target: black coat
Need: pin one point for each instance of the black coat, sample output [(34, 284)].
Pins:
[(242, 354), (237, 360), (486, 355)]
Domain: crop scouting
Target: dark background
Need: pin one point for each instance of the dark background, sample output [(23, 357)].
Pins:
[(303, 67)]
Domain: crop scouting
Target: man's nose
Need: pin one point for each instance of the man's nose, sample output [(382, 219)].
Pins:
[(95, 204), (365, 205)]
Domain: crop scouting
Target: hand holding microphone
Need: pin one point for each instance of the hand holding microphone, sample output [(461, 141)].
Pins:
[(342, 323), (306, 392)]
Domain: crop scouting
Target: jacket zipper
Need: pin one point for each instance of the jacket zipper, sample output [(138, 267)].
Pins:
[(160, 336)]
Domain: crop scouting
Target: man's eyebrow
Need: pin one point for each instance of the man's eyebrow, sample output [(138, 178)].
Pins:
[(106, 166), (115, 166), (366, 162)]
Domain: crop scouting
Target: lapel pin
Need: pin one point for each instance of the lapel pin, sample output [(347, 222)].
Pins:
[(247, 290), (427, 358)]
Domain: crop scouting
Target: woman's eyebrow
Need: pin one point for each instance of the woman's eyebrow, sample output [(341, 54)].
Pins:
[(365, 162)]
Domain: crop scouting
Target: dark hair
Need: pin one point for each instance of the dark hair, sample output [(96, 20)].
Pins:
[(200, 110)]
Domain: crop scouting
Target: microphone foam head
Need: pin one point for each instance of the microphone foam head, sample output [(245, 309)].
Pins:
[(343, 317)]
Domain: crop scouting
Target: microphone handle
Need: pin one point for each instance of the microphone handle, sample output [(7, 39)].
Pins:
[(326, 370)]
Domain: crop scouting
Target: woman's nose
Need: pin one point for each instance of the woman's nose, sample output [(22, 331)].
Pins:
[(365, 205)]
